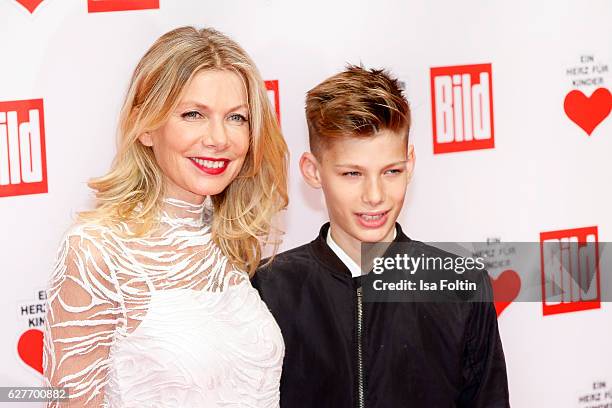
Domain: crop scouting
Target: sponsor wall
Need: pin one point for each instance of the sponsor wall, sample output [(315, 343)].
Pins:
[(511, 129)]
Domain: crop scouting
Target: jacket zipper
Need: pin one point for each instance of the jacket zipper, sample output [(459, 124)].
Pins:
[(360, 383)]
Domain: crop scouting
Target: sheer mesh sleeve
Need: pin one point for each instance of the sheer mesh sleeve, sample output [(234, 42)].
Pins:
[(83, 314)]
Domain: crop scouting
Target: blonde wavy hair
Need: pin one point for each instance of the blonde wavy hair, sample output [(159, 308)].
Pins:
[(243, 212)]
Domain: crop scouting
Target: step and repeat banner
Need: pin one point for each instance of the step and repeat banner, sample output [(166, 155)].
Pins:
[(511, 127)]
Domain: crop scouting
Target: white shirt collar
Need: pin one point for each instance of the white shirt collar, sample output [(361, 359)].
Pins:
[(347, 260)]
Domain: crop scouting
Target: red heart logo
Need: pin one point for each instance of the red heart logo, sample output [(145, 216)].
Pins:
[(506, 288), (30, 349), (588, 112), (30, 4)]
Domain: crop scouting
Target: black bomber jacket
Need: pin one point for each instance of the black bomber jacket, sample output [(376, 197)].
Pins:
[(342, 352)]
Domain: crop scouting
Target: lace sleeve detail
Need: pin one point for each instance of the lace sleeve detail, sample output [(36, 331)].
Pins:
[(84, 311)]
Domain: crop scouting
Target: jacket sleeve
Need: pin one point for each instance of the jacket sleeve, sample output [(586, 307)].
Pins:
[(484, 366)]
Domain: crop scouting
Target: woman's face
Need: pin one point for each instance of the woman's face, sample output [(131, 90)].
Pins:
[(202, 146)]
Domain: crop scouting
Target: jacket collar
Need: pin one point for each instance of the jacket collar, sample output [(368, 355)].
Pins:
[(328, 257)]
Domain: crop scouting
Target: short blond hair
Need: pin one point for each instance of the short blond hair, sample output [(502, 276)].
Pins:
[(243, 211), (355, 103)]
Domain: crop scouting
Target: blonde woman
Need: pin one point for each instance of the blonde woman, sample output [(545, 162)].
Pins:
[(150, 303)]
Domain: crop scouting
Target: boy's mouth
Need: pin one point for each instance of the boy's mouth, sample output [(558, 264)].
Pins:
[(372, 219)]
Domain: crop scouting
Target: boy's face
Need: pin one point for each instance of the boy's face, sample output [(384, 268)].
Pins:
[(364, 181)]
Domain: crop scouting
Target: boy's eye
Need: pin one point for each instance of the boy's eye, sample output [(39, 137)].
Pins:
[(236, 117), (191, 115), (394, 171), (351, 173)]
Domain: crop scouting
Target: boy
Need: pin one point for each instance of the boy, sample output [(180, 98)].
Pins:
[(340, 350)]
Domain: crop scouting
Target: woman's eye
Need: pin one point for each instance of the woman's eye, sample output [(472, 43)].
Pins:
[(191, 115), (236, 117), (351, 174)]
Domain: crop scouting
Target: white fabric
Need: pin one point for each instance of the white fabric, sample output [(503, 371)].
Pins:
[(161, 321), (344, 257)]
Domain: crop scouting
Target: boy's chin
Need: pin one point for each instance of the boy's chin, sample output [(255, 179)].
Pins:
[(372, 234)]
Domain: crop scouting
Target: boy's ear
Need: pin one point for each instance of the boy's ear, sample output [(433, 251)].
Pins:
[(309, 166), (146, 139), (411, 162)]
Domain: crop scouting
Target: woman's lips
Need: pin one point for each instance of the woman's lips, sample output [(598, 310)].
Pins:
[(210, 165)]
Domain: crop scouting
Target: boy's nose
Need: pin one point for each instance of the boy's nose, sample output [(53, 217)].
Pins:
[(373, 194)]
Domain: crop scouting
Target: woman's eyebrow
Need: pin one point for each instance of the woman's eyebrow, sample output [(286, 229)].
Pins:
[(206, 107)]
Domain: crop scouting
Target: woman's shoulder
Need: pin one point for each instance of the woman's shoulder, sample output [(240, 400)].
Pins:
[(89, 230), (83, 264), (86, 238)]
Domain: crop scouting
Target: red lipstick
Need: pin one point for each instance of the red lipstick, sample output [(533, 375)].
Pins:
[(210, 165)]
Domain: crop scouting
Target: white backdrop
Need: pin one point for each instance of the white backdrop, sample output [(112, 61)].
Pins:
[(544, 173)]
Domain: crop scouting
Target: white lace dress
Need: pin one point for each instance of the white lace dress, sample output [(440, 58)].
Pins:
[(162, 321)]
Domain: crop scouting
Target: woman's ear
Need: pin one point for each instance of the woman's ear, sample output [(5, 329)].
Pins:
[(146, 139), (309, 166)]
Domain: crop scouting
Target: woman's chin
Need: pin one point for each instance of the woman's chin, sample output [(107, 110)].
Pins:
[(209, 191)]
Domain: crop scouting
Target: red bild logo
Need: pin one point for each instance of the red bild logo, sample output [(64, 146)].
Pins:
[(462, 108), (570, 270), (272, 87), (96, 6), (23, 162)]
